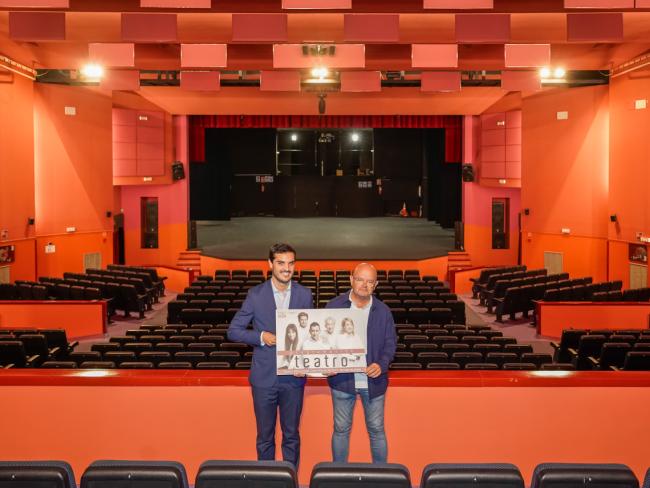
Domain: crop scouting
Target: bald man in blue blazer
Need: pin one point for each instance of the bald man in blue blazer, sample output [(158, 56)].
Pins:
[(270, 391)]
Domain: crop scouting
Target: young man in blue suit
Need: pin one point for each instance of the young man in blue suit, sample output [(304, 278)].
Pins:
[(370, 386), (270, 391)]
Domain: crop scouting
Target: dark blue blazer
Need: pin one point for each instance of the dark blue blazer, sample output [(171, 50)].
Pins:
[(259, 309), (382, 343)]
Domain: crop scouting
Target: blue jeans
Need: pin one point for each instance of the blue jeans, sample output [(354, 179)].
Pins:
[(373, 411)]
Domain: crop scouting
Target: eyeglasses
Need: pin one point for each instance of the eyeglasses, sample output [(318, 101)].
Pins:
[(368, 282)]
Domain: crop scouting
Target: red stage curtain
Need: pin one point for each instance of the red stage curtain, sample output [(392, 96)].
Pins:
[(453, 125)]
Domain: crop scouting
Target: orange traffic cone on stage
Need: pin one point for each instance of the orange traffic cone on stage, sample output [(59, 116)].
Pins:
[(404, 212)]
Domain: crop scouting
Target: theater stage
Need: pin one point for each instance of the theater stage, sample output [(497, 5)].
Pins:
[(375, 238)]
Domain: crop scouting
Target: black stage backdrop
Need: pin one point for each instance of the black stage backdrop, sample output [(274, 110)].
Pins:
[(410, 163)]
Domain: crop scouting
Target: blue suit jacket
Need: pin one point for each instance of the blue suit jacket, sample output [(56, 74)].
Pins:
[(259, 309), (382, 343)]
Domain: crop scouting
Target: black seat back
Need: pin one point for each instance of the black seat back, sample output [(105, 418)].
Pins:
[(44, 474), (244, 474), (135, 474), (471, 476), (360, 475), (560, 475)]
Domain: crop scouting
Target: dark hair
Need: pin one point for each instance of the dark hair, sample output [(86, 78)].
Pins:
[(303, 314), (280, 248), (290, 345), (314, 324)]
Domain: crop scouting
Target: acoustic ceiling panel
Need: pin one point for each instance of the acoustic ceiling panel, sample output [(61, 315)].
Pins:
[(527, 55), (458, 4), (371, 27), (361, 81), (317, 4), (595, 27), (598, 3), (200, 80), (280, 81), (121, 80), (204, 55), (175, 3), (35, 3), (112, 55), (434, 55), (520, 81), (139, 27), (259, 27), (37, 26), (440, 81), (482, 28)]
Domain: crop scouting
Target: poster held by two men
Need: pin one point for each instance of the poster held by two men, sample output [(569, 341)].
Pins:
[(318, 342)]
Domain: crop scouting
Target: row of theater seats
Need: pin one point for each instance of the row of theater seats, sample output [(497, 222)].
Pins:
[(22, 348), (605, 350), (280, 474), (216, 300), (486, 273), (454, 346), (499, 283), (324, 274)]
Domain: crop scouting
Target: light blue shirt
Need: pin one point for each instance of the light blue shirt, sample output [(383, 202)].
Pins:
[(282, 299), (361, 379)]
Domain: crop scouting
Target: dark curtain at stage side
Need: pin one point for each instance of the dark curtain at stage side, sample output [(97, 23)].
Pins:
[(231, 157), (442, 184), (452, 125)]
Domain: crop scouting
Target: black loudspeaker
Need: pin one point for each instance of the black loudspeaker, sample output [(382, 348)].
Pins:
[(468, 173), (613, 218), (178, 172)]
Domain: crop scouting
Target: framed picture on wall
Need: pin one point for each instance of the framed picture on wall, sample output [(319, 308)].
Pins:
[(638, 253), (7, 254)]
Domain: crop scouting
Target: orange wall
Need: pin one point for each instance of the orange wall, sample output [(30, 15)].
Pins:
[(554, 317), (72, 159), (565, 179), (70, 250), (16, 159), (552, 410), (79, 318), (629, 166)]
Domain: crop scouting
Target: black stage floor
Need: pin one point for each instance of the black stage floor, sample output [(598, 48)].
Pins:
[(326, 238)]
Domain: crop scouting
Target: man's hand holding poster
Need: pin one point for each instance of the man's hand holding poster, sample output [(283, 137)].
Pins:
[(320, 341)]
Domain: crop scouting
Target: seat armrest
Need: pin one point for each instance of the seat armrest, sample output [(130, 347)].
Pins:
[(498, 300), (573, 353), (32, 359), (594, 363), (54, 352), (72, 345), (9, 366), (555, 345)]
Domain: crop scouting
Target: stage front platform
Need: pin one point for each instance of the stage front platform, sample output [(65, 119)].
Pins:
[(331, 238)]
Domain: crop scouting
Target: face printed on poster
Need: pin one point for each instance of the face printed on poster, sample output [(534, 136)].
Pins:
[(319, 341)]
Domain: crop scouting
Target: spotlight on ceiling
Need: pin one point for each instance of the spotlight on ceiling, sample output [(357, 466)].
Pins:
[(545, 72), (355, 137), (320, 72), (294, 137), (92, 71), (559, 73)]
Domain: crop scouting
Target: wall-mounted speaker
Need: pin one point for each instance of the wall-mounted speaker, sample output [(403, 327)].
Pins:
[(526, 211), (31, 221), (613, 218), (468, 173), (178, 171)]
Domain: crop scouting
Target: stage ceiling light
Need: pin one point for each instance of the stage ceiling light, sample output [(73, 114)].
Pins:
[(92, 71), (294, 137), (545, 72), (319, 72), (355, 137), (559, 73)]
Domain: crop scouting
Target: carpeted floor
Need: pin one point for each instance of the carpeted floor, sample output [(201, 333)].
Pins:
[(391, 238)]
